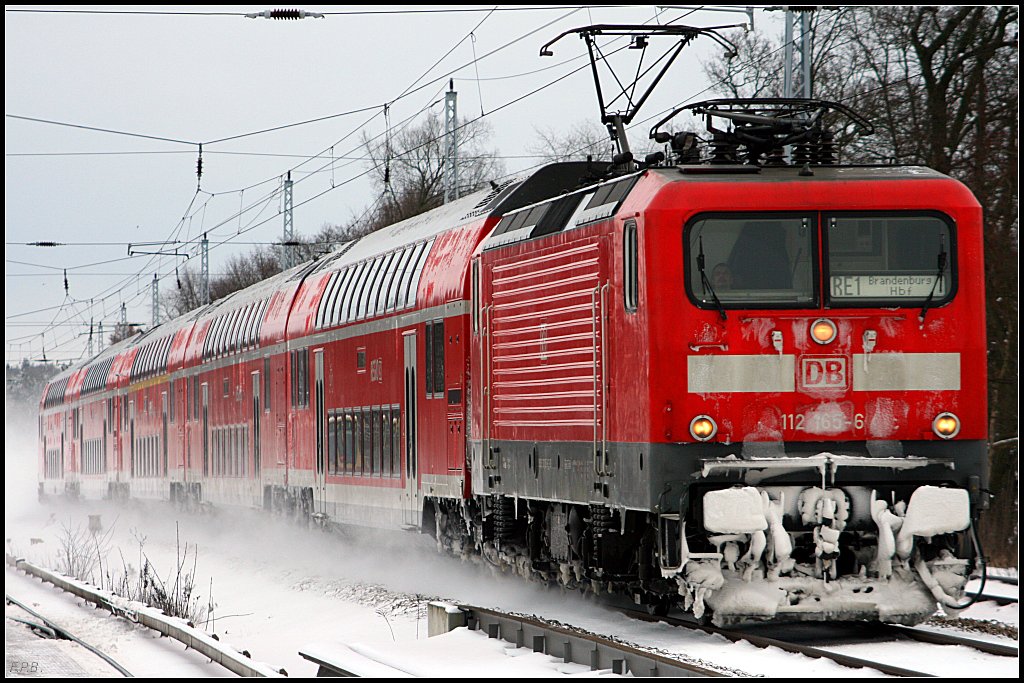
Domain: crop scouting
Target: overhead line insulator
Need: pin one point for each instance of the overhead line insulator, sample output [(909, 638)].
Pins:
[(286, 14)]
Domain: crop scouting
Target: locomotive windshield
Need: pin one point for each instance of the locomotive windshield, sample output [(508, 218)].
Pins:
[(753, 260), (902, 260), (770, 260)]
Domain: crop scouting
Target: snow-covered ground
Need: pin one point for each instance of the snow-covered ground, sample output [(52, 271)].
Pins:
[(138, 649), (278, 589)]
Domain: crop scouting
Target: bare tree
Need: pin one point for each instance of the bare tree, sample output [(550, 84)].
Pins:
[(941, 86), (583, 138), (122, 332), (408, 169)]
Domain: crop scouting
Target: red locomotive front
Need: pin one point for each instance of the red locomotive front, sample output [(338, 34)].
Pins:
[(760, 388)]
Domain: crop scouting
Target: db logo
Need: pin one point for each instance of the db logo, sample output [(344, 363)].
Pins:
[(823, 372)]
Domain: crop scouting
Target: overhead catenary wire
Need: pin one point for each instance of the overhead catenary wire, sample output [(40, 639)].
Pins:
[(264, 200), (257, 202), (364, 173), (452, 10)]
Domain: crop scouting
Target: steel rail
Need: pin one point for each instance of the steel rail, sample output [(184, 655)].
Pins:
[(578, 646), (763, 642), (65, 634), (938, 638), (1001, 600), (205, 644)]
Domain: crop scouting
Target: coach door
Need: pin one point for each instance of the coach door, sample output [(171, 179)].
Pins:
[(257, 436), (411, 496), (319, 484), (163, 416), (206, 429), (131, 438)]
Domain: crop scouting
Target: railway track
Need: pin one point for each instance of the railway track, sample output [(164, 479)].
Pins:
[(51, 629), (1011, 580), (787, 645), (945, 638), (1001, 600), (599, 652), (843, 633)]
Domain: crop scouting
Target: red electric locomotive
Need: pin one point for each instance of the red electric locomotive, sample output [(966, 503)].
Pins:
[(758, 386), (741, 379)]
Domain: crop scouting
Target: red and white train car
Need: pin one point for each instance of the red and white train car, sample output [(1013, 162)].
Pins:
[(754, 388)]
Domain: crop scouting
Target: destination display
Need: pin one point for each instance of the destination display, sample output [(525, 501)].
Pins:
[(885, 286)]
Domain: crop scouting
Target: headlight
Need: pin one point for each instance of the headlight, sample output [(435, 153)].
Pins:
[(946, 425), (823, 330), (703, 428)]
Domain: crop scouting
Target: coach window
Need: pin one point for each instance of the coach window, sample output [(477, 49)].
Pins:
[(385, 424), (264, 305), (332, 443), (428, 355), (300, 378), (387, 271), (242, 327), (207, 342), (630, 278), (171, 397), (352, 294), (762, 260), (889, 259), (396, 441), (304, 377), (250, 325), (439, 340), (240, 324), (374, 289), (474, 303), (387, 274), (326, 299), (257, 319), (235, 339), (405, 286), (378, 441), (217, 331), (218, 341), (218, 335), (341, 305), (396, 282), (368, 441), (337, 307), (231, 338), (225, 334), (391, 286), (356, 464), (364, 293), (434, 355), (421, 260), (339, 430), (350, 444)]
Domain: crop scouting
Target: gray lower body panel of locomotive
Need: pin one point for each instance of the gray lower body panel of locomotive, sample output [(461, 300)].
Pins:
[(653, 477)]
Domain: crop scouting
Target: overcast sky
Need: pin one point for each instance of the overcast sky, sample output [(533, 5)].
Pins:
[(200, 78)]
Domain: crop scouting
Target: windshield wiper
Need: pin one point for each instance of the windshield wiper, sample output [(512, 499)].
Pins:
[(938, 277), (704, 279)]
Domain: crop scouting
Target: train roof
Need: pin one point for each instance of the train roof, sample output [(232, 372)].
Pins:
[(236, 318), (748, 173)]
